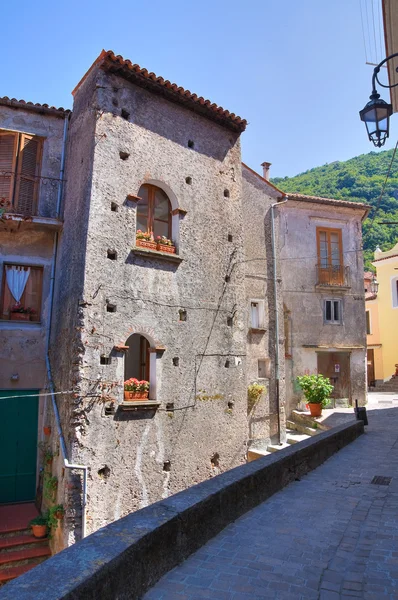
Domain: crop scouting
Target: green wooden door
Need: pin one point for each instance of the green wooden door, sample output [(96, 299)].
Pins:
[(18, 445)]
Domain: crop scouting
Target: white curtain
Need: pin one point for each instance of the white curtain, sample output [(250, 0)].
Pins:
[(16, 280)]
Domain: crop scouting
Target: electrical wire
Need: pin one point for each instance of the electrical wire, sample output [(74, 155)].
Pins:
[(363, 31)]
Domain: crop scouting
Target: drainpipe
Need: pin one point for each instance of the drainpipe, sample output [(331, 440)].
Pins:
[(67, 464), (277, 374)]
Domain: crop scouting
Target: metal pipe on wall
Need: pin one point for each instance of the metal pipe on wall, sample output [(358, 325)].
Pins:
[(277, 374)]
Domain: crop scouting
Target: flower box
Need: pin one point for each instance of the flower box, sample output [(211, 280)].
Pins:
[(19, 316), (135, 395), (146, 244), (166, 248)]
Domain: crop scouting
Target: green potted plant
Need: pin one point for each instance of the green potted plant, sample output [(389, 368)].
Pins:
[(50, 488), (317, 390), (145, 240), (39, 526), (135, 389), (165, 245)]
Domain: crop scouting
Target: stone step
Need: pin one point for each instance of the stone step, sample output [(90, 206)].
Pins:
[(276, 447), (13, 572), (294, 437), (254, 454), (301, 428), (21, 556), (306, 419), (20, 541)]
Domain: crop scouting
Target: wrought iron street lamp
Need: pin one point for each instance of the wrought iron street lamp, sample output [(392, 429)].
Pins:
[(376, 114), (374, 285)]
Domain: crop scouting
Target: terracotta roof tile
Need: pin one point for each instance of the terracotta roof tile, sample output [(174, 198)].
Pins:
[(321, 200), (41, 108), (113, 63)]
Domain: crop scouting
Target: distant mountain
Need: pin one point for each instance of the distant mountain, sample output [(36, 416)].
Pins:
[(359, 179)]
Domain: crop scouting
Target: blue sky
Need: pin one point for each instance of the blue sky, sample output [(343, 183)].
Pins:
[(295, 70)]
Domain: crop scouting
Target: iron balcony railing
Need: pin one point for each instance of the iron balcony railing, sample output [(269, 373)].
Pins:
[(332, 275)]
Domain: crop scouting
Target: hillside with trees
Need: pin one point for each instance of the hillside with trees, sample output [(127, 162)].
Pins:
[(359, 179)]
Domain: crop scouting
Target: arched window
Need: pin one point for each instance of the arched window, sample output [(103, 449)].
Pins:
[(136, 363), (154, 211)]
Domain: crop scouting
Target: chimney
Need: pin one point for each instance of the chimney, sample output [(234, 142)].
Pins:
[(266, 166)]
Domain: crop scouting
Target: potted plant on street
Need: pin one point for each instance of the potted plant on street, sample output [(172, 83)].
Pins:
[(317, 390), (39, 526), (145, 239), (135, 389), (165, 245)]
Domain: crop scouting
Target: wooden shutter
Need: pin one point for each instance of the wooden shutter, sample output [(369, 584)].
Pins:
[(8, 155), (29, 159)]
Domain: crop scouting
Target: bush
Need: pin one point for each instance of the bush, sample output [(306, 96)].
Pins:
[(254, 392), (316, 388)]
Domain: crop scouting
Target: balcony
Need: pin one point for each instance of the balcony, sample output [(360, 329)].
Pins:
[(332, 276)]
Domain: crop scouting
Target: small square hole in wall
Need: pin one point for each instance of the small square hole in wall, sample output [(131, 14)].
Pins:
[(176, 361), (183, 314), (229, 237), (112, 254), (264, 368), (111, 307), (124, 155), (125, 114), (114, 207), (191, 143), (227, 363), (188, 180), (105, 360), (226, 193), (227, 278), (170, 406), (167, 466), (230, 321)]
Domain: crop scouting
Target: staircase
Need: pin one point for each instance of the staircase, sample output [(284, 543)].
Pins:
[(388, 386), (19, 550)]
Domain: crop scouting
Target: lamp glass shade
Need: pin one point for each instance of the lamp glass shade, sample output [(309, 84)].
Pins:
[(376, 116)]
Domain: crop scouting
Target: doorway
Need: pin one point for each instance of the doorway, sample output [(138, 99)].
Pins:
[(18, 445), (336, 366), (370, 361)]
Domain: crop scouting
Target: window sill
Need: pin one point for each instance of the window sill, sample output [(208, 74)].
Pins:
[(156, 255), (257, 329), (52, 223), (17, 324), (139, 405), (332, 286)]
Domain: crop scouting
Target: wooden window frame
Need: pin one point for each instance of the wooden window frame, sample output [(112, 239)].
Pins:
[(333, 321), (15, 183), (151, 209), (3, 288), (326, 274)]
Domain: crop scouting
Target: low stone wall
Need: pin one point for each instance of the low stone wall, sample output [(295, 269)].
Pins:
[(124, 559)]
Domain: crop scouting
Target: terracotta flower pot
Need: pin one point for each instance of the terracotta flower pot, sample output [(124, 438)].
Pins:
[(315, 409), (59, 515), (146, 244), (39, 531), (166, 248), (135, 395), (18, 316), (47, 430)]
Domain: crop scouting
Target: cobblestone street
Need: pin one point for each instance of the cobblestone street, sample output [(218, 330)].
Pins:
[(331, 535)]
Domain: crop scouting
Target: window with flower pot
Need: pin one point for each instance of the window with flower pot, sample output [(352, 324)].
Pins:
[(20, 160), (154, 218), (21, 295), (138, 370)]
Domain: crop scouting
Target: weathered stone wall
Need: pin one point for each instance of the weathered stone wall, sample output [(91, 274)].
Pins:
[(135, 459), (258, 197), (298, 254)]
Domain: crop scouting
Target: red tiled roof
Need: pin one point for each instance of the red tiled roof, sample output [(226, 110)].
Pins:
[(322, 200), (113, 63), (370, 296), (40, 108)]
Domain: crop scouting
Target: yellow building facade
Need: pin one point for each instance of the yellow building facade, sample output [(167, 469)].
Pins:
[(382, 317)]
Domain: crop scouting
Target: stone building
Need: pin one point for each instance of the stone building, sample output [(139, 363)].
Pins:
[(31, 150), (215, 308), (323, 294), (146, 155)]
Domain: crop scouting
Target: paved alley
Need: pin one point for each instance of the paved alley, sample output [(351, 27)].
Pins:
[(331, 535)]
